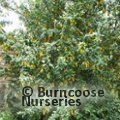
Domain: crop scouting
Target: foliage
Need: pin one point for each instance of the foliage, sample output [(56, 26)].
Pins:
[(6, 116), (65, 42), (108, 110)]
